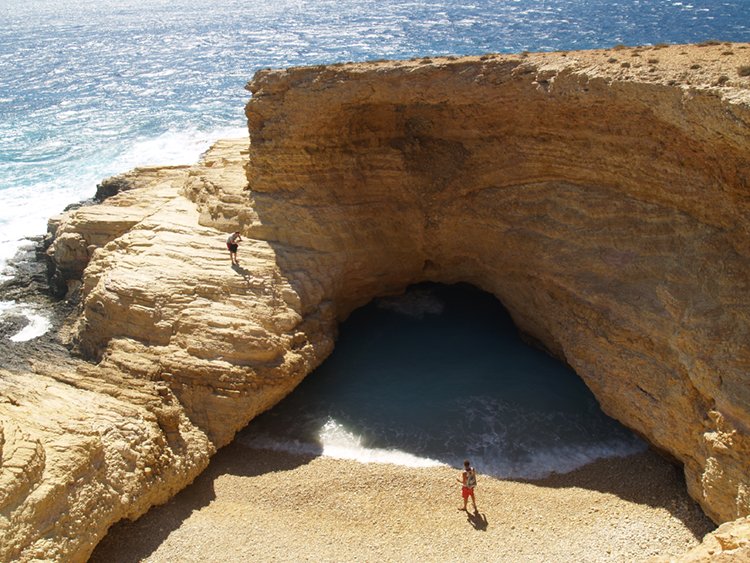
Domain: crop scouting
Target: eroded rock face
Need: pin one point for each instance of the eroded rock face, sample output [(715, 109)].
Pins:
[(81, 449), (183, 351), (608, 212), (605, 205), (729, 543)]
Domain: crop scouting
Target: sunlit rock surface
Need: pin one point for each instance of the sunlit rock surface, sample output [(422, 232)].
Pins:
[(606, 205), (607, 208)]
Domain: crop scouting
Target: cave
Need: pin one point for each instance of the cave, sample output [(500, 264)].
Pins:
[(436, 374), (606, 218)]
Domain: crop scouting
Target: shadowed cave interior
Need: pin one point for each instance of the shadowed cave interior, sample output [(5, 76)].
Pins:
[(435, 375)]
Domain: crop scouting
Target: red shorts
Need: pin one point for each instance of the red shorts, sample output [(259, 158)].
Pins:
[(467, 492)]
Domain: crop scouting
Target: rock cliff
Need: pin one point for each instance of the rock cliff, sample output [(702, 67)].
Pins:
[(605, 205), (602, 196)]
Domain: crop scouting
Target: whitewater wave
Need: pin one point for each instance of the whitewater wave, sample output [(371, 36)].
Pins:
[(335, 441), (174, 147), (37, 323), (563, 459), (27, 208), (535, 441)]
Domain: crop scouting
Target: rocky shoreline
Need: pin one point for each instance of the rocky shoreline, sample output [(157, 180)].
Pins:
[(29, 284), (34, 278), (603, 203), (650, 508)]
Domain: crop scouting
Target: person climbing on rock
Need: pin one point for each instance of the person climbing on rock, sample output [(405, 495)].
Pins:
[(232, 241), (468, 481)]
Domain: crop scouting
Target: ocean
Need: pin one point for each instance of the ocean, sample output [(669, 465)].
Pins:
[(91, 88)]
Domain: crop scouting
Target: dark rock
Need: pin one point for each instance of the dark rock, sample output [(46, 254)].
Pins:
[(30, 285), (11, 324), (111, 186)]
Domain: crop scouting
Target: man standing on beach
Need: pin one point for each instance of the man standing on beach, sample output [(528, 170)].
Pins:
[(232, 241), (468, 481)]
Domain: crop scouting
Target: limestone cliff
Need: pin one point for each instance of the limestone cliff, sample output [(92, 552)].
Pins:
[(184, 352), (605, 205), (602, 196)]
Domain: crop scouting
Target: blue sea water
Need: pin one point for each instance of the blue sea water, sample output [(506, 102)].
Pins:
[(433, 376), (90, 88)]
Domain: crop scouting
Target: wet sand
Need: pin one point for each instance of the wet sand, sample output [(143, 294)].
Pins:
[(260, 505)]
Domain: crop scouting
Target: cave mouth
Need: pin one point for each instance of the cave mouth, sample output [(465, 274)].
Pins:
[(436, 375)]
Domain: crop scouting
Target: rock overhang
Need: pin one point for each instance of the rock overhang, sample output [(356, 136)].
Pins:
[(604, 204)]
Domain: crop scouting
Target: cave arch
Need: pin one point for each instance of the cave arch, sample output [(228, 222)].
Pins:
[(436, 374), (605, 215), (607, 209)]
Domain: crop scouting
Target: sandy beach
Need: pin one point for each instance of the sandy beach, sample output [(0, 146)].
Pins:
[(260, 505)]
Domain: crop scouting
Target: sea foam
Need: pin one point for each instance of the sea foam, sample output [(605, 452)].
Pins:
[(38, 323), (26, 208), (335, 441), (436, 375)]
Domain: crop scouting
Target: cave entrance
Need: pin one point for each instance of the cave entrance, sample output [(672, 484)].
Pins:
[(438, 374)]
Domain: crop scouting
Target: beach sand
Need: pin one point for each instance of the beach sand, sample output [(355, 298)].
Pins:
[(261, 505)]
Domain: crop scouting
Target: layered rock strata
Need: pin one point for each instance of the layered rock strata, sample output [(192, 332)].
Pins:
[(606, 206), (183, 352), (81, 450), (602, 196)]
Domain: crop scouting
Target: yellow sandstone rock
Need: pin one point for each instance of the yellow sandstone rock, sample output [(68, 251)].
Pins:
[(729, 543), (606, 205)]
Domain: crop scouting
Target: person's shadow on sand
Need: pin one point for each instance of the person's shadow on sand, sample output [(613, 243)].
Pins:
[(478, 520)]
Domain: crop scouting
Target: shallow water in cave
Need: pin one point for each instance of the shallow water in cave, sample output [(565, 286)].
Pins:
[(437, 375)]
